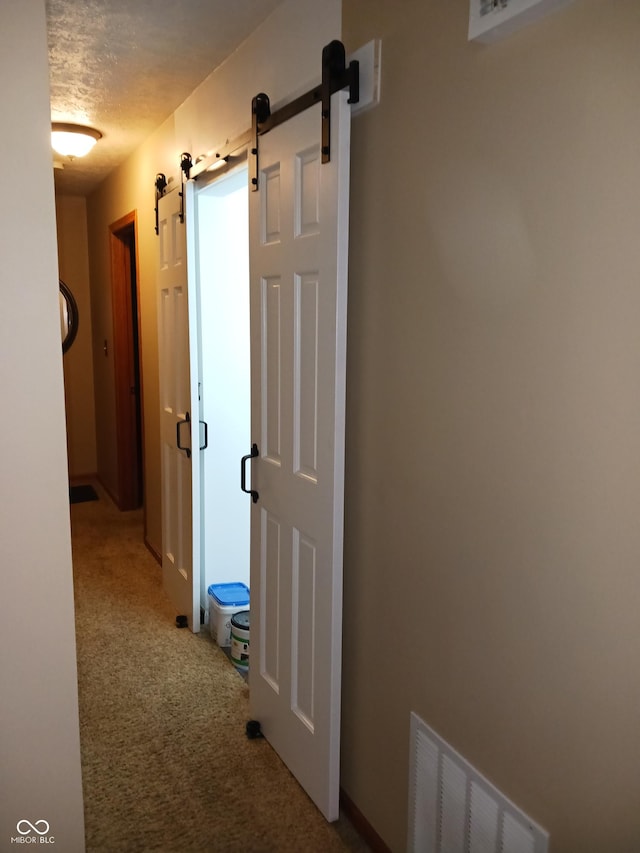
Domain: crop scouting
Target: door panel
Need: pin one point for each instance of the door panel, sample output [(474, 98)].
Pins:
[(306, 361), (271, 400), (299, 241), (180, 571)]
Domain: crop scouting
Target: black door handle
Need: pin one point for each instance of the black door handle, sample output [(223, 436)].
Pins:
[(187, 420), (243, 473), (206, 435)]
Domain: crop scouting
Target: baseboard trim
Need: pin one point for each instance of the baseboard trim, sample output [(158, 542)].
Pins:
[(361, 824), (78, 479), (152, 550), (108, 491)]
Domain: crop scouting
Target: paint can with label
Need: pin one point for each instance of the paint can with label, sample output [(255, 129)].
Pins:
[(240, 641)]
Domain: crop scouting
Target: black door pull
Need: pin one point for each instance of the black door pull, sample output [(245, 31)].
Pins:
[(206, 435), (187, 420), (243, 473)]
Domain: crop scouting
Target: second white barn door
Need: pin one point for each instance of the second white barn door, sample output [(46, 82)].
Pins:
[(178, 400), (298, 262)]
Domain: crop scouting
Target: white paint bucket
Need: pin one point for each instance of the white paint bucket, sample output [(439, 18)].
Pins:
[(240, 641), (225, 599)]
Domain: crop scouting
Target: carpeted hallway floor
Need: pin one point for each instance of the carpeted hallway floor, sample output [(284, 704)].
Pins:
[(166, 764)]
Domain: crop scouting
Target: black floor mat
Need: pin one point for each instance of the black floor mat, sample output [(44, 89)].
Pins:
[(80, 494)]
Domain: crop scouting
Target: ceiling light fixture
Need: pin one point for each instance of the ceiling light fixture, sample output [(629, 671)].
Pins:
[(73, 140)]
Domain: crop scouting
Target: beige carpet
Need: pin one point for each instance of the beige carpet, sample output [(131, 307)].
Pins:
[(166, 764)]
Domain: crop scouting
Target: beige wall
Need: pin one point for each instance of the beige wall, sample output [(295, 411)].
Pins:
[(219, 109), (493, 485), (39, 738), (73, 262)]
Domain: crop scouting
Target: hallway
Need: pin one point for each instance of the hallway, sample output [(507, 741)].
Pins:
[(166, 765)]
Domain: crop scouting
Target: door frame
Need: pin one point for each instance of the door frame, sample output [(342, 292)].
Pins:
[(127, 363), (207, 390)]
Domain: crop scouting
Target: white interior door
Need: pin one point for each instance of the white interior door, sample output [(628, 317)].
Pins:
[(298, 267), (180, 478)]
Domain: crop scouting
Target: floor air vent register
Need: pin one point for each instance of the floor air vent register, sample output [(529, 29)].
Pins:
[(454, 809)]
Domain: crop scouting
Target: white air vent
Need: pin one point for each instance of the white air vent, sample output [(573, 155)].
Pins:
[(454, 809), (490, 20)]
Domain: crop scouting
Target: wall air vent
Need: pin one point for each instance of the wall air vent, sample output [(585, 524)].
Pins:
[(491, 20), (454, 809)]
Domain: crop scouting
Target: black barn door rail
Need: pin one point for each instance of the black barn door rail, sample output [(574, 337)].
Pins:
[(336, 75), (160, 184)]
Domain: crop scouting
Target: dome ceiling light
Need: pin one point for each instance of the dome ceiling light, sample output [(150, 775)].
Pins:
[(73, 140)]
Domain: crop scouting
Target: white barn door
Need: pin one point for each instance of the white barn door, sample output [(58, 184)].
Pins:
[(298, 262), (178, 435)]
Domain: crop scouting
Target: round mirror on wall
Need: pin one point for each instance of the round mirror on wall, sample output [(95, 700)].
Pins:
[(68, 316)]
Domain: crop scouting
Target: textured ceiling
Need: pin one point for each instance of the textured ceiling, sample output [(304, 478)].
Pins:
[(123, 66)]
